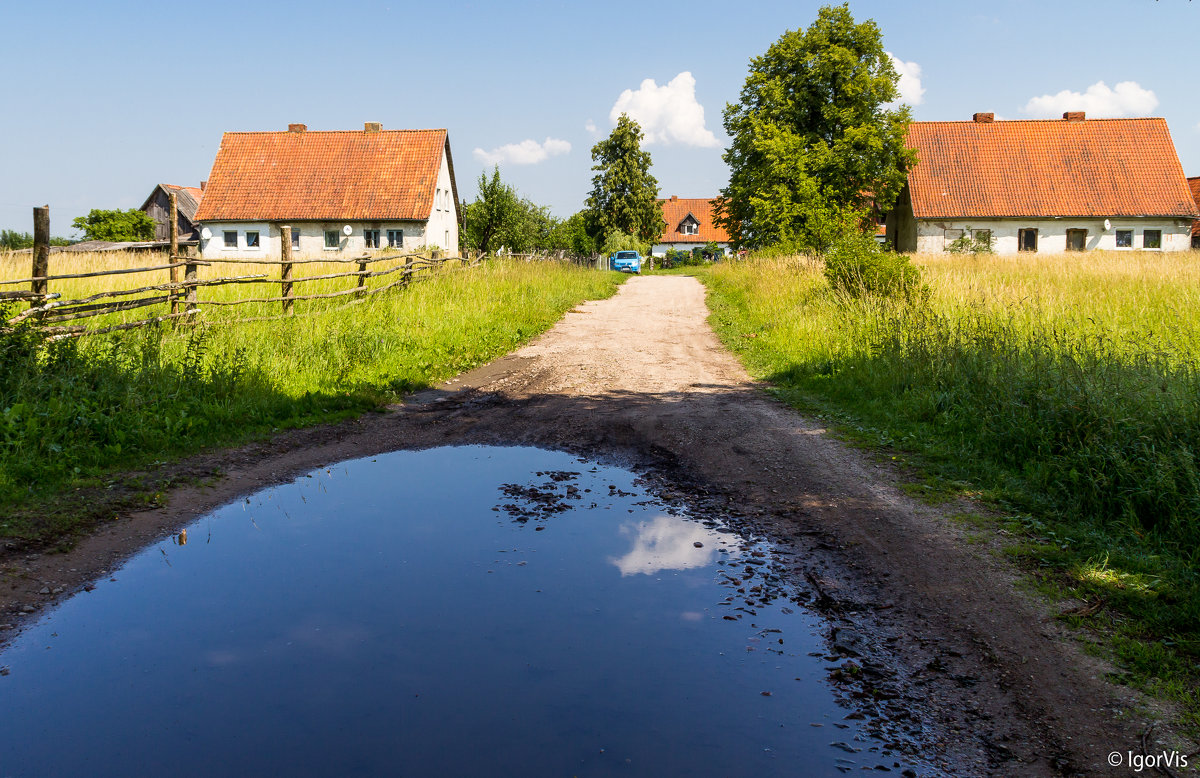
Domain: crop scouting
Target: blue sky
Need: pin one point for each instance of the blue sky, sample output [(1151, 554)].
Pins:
[(104, 100)]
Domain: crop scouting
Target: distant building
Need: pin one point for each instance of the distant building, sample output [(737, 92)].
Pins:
[(187, 200), (1194, 184), (689, 225), (340, 192), (1044, 186)]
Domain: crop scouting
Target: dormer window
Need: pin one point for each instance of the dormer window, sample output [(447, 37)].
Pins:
[(689, 226)]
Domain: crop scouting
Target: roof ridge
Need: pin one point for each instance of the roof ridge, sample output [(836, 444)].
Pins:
[(327, 132), (1047, 121)]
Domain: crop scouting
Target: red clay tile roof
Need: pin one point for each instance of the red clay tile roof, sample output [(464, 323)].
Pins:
[(676, 209), (1095, 167), (1194, 184), (328, 176)]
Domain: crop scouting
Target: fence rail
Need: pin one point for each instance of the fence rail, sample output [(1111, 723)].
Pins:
[(182, 299)]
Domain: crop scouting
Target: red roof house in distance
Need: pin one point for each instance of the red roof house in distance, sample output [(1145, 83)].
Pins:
[(689, 225), (1074, 184), (1194, 183), (337, 191)]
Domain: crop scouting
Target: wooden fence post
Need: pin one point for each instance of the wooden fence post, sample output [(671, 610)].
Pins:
[(408, 270), (41, 253), (189, 285), (285, 277), (173, 295), (362, 278)]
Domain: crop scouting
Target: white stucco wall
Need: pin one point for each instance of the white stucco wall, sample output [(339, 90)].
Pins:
[(312, 239), (660, 249), (1052, 233), (443, 221)]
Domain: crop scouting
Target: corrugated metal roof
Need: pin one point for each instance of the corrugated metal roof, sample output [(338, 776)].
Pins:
[(278, 176), (1093, 167)]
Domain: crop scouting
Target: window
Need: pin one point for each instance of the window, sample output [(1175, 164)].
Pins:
[(982, 237), (1027, 239), (1151, 239), (396, 239), (295, 237), (1076, 240), (251, 239), (953, 235), (372, 238), (437, 201), (333, 239), (1124, 239), (231, 239)]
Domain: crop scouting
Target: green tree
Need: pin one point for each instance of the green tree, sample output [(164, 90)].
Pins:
[(115, 225), (494, 219), (571, 235), (624, 195), (814, 141)]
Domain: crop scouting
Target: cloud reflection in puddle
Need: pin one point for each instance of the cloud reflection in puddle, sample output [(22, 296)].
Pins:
[(667, 543)]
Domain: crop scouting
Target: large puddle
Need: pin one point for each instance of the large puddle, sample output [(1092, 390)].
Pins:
[(471, 610)]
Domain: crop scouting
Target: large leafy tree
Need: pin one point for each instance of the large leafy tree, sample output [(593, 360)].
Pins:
[(496, 218), (115, 225), (814, 141), (624, 195)]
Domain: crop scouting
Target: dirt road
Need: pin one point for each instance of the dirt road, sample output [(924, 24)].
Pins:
[(990, 684)]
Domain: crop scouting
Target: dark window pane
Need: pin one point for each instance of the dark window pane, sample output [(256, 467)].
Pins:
[(230, 239), (331, 239), (1152, 239), (251, 240), (295, 237), (1124, 239)]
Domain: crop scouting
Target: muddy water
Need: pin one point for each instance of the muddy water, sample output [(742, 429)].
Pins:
[(473, 610)]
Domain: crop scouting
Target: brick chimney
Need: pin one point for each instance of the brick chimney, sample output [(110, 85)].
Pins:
[(202, 185), (297, 127), (674, 198), (1074, 116), (984, 118), (372, 126)]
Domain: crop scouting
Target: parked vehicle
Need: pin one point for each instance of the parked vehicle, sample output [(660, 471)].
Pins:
[(626, 262)]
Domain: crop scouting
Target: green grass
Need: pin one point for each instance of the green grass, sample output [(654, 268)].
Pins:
[(1065, 390), (77, 414)]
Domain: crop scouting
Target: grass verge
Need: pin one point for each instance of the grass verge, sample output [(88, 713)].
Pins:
[(1065, 390), (75, 415)]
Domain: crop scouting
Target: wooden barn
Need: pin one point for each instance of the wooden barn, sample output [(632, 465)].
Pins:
[(187, 200)]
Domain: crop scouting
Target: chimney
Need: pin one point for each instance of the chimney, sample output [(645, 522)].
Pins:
[(674, 198), (1074, 116), (984, 118), (372, 126), (202, 185), (297, 127)]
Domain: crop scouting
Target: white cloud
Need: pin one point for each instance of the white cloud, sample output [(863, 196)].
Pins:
[(1125, 99), (590, 127), (527, 152), (667, 113), (911, 91)]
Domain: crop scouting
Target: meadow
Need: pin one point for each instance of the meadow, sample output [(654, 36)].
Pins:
[(78, 414), (1064, 391)]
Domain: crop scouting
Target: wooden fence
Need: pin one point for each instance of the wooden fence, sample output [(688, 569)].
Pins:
[(181, 299)]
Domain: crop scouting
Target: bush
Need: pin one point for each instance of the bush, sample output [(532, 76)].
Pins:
[(857, 265), (616, 240)]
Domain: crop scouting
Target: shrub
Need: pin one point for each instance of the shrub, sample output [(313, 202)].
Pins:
[(857, 265)]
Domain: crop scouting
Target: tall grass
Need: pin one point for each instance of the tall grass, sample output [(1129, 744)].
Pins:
[(1066, 388), (74, 412)]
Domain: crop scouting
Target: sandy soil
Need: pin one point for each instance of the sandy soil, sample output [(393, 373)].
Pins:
[(983, 672)]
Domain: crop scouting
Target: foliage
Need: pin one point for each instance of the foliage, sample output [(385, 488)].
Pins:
[(497, 218), (624, 195), (130, 225), (857, 265), (1068, 394), (74, 412), (616, 240), (814, 143), (970, 242), (11, 240), (571, 235)]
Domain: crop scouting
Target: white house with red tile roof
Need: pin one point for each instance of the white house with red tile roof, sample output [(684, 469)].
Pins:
[(339, 192), (688, 225), (1194, 185), (1074, 184)]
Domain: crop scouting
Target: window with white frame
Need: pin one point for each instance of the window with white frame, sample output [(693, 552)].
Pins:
[(372, 238), (1124, 239), (252, 239), (295, 237), (333, 239), (395, 239), (231, 239)]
